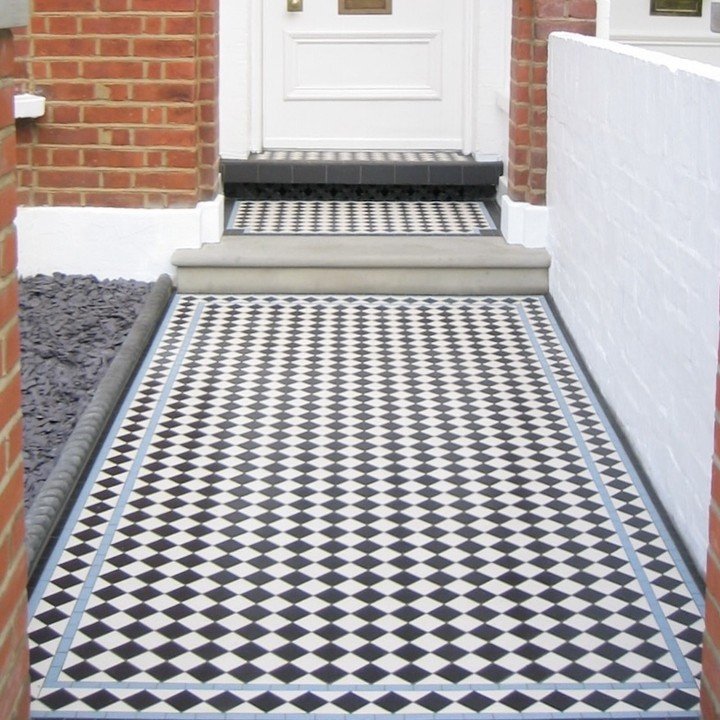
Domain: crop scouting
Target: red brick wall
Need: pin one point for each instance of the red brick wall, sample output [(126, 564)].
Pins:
[(14, 695), (532, 23), (131, 88), (711, 646)]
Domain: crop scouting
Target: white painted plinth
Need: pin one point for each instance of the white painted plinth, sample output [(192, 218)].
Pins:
[(111, 242), (524, 224)]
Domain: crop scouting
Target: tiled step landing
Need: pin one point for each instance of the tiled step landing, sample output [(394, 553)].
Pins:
[(364, 247), (412, 168), (366, 222), (360, 217)]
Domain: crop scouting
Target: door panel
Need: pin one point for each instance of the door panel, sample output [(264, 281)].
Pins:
[(363, 81)]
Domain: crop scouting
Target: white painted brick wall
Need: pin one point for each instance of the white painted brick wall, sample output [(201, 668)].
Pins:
[(634, 208)]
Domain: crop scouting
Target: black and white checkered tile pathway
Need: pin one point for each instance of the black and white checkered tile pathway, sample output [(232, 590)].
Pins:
[(376, 156), (337, 506), (359, 217)]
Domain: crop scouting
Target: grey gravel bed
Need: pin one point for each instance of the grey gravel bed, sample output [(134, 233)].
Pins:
[(71, 328)]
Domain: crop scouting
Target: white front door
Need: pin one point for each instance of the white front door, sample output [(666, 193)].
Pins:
[(333, 81)]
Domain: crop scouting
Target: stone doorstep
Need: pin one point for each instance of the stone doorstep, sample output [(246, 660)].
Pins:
[(364, 265)]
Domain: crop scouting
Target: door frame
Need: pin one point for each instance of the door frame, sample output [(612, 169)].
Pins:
[(241, 77)]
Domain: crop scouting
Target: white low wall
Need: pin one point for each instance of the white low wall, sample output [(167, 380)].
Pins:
[(111, 242), (634, 214)]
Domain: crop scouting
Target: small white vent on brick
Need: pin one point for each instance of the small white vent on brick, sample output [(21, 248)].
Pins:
[(28, 105)]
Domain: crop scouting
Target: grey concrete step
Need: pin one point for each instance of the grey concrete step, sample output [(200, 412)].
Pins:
[(363, 264)]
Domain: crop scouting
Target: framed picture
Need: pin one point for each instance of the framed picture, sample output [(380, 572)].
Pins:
[(689, 8)]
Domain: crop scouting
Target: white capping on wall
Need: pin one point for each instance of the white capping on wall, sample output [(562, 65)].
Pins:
[(634, 228), (28, 105)]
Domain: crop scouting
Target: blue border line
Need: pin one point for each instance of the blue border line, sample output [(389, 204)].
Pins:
[(72, 518), (421, 687), (660, 619), (657, 519)]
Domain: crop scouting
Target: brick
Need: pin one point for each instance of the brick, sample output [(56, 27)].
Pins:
[(181, 25), (69, 91), (63, 6), (113, 114), (164, 92), (13, 443), (8, 151), (163, 6), (709, 704), (8, 302), (62, 157), (7, 110), (112, 6), (164, 48), (113, 199), (11, 495), (711, 668), (583, 9), (117, 179), (113, 69), (118, 47), (68, 136), (9, 398), (171, 180), (13, 636), (8, 251), (70, 178), (105, 157), (63, 47), (111, 24), (58, 25), (180, 70), (14, 676), (7, 54), (63, 114), (9, 348), (60, 70), (165, 137)]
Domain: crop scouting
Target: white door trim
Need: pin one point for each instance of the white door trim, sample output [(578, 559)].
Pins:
[(241, 73), (470, 80)]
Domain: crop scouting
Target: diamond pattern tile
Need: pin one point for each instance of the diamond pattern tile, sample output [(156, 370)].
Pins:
[(377, 156), (360, 217), (336, 506)]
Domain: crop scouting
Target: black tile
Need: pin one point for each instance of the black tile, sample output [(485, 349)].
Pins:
[(343, 173), (240, 172), (377, 174), (482, 173), (309, 173), (280, 172), (446, 174), (412, 174)]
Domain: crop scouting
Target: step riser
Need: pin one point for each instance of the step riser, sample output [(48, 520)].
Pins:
[(363, 168), (366, 281)]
